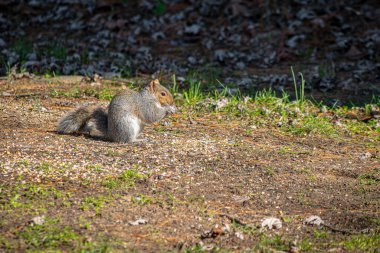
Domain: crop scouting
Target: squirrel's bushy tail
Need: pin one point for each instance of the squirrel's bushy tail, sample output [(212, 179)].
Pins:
[(84, 119)]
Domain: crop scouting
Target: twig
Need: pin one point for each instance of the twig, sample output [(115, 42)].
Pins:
[(22, 95), (233, 219), (346, 231)]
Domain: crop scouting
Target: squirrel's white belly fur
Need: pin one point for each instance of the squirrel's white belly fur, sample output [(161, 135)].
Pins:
[(125, 129), (135, 127)]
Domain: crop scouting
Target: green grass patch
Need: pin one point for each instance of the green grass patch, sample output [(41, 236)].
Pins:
[(368, 243), (301, 116), (305, 245), (58, 51), (368, 179), (272, 242), (289, 150), (370, 128), (131, 175), (142, 199), (94, 167), (159, 7), (311, 124), (49, 235), (95, 203), (246, 229), (23, 48), (299, 89), (54, 237), (320, 234), (127, 178), (28, 196), (105, 94), (46, 167), (111, 183), (198, 248), (101, 246), (6, 245), (193, 94), (112, 153)]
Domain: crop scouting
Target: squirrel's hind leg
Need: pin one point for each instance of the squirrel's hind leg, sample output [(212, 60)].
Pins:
[(97, 124)]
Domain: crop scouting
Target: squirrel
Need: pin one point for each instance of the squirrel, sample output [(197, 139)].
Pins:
[(128, 113)]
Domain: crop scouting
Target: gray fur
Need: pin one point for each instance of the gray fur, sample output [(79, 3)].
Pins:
[(128, 113), (125, 129), (125, 123)]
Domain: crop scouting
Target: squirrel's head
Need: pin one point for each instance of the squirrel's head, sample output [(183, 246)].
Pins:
[(161, 93)]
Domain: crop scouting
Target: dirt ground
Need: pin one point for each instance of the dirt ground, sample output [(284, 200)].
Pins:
[(200, 182)]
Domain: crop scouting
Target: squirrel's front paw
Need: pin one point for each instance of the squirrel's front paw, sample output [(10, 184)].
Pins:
[(170, 109)]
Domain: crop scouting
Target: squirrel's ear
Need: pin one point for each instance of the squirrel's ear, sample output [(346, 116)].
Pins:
[(153, 84)]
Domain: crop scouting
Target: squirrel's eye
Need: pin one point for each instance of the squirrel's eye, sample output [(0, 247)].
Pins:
[(163, 94)]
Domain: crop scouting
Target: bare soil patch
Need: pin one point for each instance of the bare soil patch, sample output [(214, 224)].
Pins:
[(189, 177)]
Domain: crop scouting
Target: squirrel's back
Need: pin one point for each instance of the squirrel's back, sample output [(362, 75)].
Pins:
[(126, 100)]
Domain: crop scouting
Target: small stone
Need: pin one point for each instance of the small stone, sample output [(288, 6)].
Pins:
[(181, 79), (336, 249), (193, 29), (221, 103), (241, 199), (240, 65), (338, 123), (219, 55), (44, 109), (239, 235), (158, 36), (271, 223), (365, 156), (353, 52), (2, 43), (226, 228), (313, 220), (208, 247), (295, 40), (326, 84), (38, 220), (111, 75), (297, 111), (32, 57), (305, 14), (294, 249), (138, 222), (191, 60)]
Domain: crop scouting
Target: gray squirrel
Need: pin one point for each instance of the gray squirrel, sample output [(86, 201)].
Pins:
[(128, 113)]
